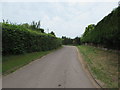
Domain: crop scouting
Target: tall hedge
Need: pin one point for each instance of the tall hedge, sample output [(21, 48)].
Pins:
[(107, 32), (17, 40)]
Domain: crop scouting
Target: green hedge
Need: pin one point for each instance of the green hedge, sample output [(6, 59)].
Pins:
[(107, 32), (17, 40)]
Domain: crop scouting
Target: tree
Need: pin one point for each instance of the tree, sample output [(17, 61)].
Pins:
[(33, 25), (26, 25), (52, 33), (67, 41), (41, 30), (76, 41), (38, 24), (88, 29)]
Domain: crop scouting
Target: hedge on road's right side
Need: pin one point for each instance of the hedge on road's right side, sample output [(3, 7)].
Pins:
[(17, 40), (105, 33)]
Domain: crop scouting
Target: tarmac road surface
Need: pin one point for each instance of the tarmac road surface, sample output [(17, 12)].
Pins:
[(59, 69)]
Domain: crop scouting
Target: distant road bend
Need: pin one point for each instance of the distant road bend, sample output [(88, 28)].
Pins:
[(59, 69)]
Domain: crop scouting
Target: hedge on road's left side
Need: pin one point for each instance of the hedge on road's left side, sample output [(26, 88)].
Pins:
[(17, 40)]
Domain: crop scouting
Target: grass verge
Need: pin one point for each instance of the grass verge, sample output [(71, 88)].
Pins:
[(14, 62), (102, 64)]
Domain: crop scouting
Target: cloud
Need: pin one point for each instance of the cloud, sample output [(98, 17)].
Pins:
[(64, 18), (76, 1)]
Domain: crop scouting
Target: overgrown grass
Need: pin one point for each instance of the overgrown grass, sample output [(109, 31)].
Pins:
[(13, 62), (102, 64)]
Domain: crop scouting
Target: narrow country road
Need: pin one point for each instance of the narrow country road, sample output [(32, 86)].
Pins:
[(59, 69)]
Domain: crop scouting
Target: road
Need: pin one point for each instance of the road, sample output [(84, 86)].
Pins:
[(59, 69)]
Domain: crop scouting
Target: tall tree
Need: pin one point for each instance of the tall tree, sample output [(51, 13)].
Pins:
[(52, 33), (38, 24)]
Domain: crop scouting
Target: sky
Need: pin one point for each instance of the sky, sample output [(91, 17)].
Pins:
[(64, 18)]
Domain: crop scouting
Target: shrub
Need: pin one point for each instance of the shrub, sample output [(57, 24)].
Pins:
[(17, 39), (106, 33)]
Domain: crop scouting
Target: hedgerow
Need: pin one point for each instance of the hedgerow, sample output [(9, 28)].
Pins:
[(17, 39), (106, 33)]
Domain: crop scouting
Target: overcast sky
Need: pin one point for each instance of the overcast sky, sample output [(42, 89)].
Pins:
[(64, 18)]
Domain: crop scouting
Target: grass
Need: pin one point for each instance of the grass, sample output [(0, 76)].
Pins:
[(14, 62), (102, 64)]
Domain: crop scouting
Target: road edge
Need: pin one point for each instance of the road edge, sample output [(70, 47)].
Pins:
[(87, 71), (23, 66)]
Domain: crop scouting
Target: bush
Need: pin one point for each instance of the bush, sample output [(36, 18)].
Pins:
[(106, 33), (17, 39)]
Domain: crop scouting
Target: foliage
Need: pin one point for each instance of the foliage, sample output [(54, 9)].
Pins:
[(106, 33), (88, 29), (76, 41), (69, 41), (18, 39), (52, 33)]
